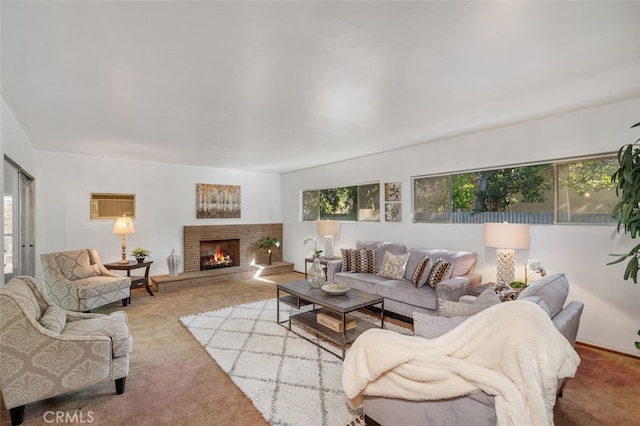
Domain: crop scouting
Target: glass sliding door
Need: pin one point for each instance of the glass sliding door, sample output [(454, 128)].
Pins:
[(19, 248)]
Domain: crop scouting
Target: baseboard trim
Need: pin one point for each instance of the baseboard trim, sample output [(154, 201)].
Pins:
[(602, 348)]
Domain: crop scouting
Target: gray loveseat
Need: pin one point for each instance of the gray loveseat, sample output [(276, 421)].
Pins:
[(402, 296), (478, 408)]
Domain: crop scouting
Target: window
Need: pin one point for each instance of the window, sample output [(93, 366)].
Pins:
[(347, 203), (586, 193), (572, 192)]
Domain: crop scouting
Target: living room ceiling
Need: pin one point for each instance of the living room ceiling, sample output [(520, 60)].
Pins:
[(281, 86)]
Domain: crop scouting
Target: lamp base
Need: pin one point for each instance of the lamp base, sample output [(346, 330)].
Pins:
[(328, 246), (505, 266)]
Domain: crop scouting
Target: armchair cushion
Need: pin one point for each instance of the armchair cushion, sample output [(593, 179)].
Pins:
[(114, 326), (76, 265), (54, 319)]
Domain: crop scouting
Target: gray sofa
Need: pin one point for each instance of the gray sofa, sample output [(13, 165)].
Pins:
[(402, 296), (479, 408)]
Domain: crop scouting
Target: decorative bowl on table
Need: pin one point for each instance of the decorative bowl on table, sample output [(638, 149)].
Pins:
[(335, 289)]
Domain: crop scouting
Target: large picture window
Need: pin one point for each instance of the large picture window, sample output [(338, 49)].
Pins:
[(347, 203), (572, 192)]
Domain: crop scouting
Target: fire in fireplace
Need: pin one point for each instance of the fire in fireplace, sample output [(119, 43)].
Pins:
[(219, 254)]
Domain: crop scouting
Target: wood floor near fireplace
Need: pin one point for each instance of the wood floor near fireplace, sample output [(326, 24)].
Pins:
[(218, 276)]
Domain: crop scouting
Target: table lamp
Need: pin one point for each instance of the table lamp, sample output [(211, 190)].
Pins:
[(123, 226), (506, 238), (328, 228)]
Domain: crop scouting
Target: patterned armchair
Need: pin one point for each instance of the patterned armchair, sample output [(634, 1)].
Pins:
[(47, 351), (77, 281)]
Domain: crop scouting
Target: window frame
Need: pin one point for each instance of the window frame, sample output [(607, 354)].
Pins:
[(555, 185)]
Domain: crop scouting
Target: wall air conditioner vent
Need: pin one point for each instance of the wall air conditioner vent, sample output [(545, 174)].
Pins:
[(111, 206)]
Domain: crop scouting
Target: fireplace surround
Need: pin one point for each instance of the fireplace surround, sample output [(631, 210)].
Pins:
[(246, 236)]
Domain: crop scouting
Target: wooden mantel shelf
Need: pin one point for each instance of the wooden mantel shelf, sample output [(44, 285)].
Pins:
[(221, 275)]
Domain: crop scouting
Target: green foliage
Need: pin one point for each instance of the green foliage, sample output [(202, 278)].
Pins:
[(627, 210), (140, 252), (496, 190), (265, 243), (590, 175), (338, 202), (638, 343)]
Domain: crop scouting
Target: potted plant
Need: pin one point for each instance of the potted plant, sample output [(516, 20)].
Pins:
[(627, 210), (140, 253), (266, 244)]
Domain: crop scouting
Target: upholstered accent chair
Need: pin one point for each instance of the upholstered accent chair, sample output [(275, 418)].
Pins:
[(47, 351), (77, 280)]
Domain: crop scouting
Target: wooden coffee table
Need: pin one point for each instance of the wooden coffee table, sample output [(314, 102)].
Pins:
[(299, 293)]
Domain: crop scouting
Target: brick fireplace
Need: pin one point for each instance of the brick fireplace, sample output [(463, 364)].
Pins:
[(244, 253)]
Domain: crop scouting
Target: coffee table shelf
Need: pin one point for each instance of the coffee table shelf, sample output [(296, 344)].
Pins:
[(309, 320), (299, 293)]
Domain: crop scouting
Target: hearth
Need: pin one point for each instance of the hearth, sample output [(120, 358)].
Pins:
[(216, 254)]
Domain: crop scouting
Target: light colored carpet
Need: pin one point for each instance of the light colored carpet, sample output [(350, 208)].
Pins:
[(290, 381)]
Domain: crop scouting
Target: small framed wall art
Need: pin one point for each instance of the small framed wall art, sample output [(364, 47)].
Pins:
[(217, 201), (392, 191)]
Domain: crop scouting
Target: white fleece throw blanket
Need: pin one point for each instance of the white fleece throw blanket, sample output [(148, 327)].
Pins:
[(511, 350)]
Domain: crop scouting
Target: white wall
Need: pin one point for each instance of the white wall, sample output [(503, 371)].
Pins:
[(612, 306), (165, 202)]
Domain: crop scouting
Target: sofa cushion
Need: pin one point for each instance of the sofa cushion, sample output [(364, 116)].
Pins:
[(462, 262), (487, 298), (366, 261), (404, 291), (422, 272), (381, 248), (393, 266), (553, 289), (54, 319), (359, 281), (114, 326), (538, 301), (76, 265), (441, 271), (431, 326)]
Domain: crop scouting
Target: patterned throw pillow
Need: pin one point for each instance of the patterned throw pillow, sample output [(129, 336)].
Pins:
[(54, 319), (393, 266), (346, 260), (366, 261), (422, 271), (76, 265), (441, 271)]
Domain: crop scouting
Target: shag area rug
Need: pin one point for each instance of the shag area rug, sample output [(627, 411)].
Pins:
[(289, 380)]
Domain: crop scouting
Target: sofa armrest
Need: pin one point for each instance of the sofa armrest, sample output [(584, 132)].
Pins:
[(333, 266), (567, 320)]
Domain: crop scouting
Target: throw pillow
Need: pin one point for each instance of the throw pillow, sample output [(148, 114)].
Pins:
[(553, 289), (366, 261), (430, 326), (353, 260), (487, 298), (422, 271), (346, 260), (393, 265), (441, 271), (76, 265), (54, 319), (537, 300)]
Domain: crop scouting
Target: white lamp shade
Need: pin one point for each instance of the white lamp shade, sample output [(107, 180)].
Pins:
[(506, 235), (328, 227), (123, 226)]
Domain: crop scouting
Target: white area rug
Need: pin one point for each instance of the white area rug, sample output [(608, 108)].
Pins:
[(291, 381)]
